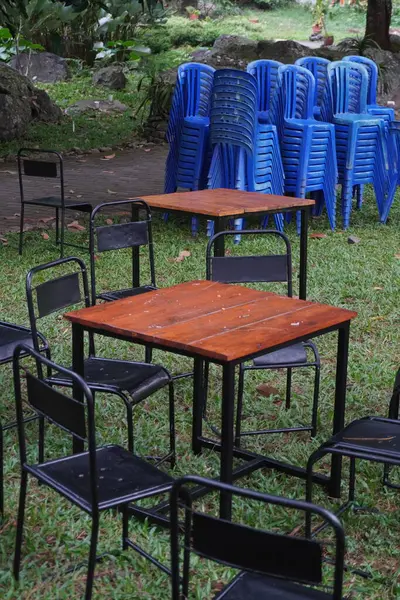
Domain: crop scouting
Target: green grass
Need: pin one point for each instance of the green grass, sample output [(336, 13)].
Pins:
[(363, 277)]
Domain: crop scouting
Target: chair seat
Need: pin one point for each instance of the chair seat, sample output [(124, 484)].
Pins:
[(370, 433), (140, 380), (292, 355), (55, 201), (10, 337), (117, 294), (258, 587), (122, 477)]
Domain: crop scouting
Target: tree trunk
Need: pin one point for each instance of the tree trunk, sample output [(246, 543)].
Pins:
[(379, 14)]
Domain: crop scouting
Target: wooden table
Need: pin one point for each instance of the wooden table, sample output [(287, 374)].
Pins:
[(224, 324), (223, 204)]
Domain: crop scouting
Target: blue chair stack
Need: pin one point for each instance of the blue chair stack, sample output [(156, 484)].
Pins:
[(245, 153), (360, 137), (266, 74), (373, 108), (307, 145), (188, 130), (319, 68)]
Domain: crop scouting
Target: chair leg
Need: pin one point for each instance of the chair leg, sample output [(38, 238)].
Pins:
[(314, 418), (20, 524), (1, 472), (172, 423), (288, 387), (206, 379), (92, 556), (57, 226), (41, 440), (62, 232), (21, 228), (125, 527), (129, 419), (148, 354), (239, 407), (352, 479)]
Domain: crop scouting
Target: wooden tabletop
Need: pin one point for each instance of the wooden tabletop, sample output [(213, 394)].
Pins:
[(225, 203), (219, 321)]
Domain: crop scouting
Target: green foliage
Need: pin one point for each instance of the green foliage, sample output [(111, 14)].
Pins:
[(272, 4), (120, 50), (9, 46)]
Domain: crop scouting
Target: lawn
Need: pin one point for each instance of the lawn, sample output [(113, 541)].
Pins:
[(363, 277)]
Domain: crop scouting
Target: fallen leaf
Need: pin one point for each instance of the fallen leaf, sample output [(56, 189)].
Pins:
[(82, 535), (109, 221), (181, 256), (108, 157), (184, 253), (71, 192), (45, 235), (397, 255), (147, 149), (378, 318), (377, 287), (111, 192), (47, 219), (318, 236), (79, 195), (109, 172), (4, 241), (267, 390), (17, 215), (75, 225), (9, 218), (9, 172)]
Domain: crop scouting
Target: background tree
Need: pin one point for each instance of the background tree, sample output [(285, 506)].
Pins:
[(379, 14)]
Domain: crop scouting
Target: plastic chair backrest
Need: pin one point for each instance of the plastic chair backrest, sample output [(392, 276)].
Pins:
[(297, 87), (319, 68), (196, 82), (372, 70), (266, 74), (348, 85)]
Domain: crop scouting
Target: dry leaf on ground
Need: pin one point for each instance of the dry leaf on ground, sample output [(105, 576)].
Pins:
[(267, 390), (111, 192), (108, 157), (4, 241), (181, 256), (318, 236), (47, 219), (109, 221), (45, 235), (75, 225)]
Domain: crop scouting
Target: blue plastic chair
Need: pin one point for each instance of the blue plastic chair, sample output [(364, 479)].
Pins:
[(245, 153), (307, 145), (319, 68), (266, 73), (188, 130), (361, 144)]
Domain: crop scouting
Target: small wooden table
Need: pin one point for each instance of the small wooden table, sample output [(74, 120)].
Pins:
[(223, 204), (225, 324)]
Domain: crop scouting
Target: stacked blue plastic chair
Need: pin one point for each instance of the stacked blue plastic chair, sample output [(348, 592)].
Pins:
[(188, 130), (360, 137), (373, 108), (266, 74), (245, 153), (319, 68), (307, 145)]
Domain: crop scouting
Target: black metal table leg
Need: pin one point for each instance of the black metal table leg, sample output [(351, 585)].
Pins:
[(303, 253), (198, 403), (340, 404), (135, 253), (77, 367), (219, 246), (227, 438)]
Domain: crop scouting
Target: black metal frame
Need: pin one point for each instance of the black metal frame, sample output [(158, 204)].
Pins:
[(60, 223), (280, 552), (99, 387), (337, 446), (316, 363), (135, 205), (78, 419), (6, 360), (394, 413), (221, 223), (252, 461)]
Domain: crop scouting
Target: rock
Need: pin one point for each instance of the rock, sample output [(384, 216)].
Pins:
[(286, 51), (103, 106), (389, 73), (112, 77), (353, 239), (41, 66), (395, 42), (235, 46), (21, 103)]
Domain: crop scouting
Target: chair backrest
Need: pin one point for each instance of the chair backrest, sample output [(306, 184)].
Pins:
[(234, 109), (395, 400), (266, 74), (73, 416), (116, 236), (195, 81), (297, 87), (60, 292), (247, 548), (372, 71), (348, 85), (319, 68), (29, 167), (251, 269)]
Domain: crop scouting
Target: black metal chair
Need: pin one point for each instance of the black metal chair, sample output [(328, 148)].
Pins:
[(273, 565), (131, 381), (371, 438), (394, 409), (52, 169), (258, 269), (98, 479), (10, 336), (134, 234)]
